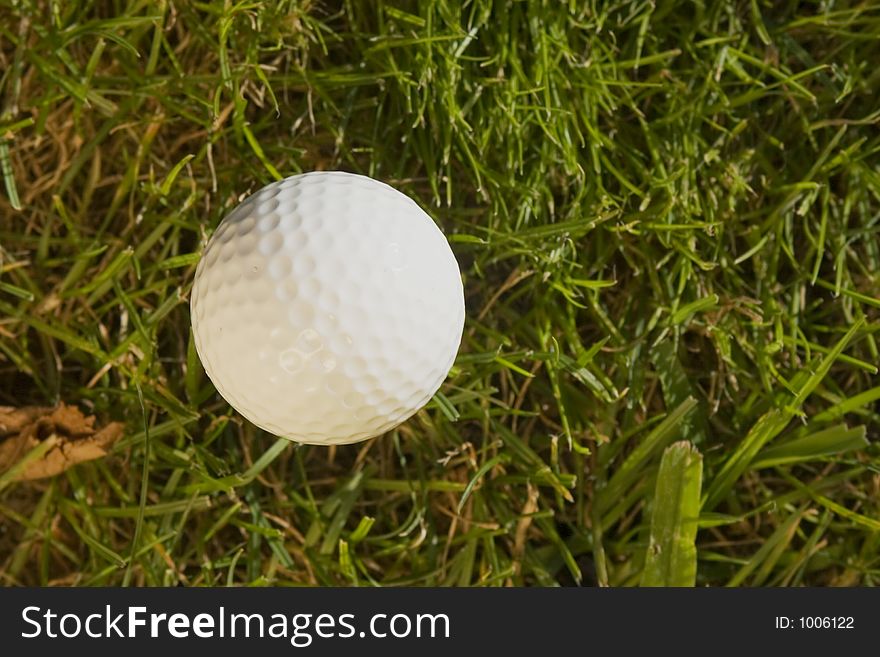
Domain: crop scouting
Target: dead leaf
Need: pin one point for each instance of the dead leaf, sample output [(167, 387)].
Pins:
[(74, 437)]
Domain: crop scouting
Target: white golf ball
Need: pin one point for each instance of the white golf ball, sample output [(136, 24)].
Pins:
[(327, 308)]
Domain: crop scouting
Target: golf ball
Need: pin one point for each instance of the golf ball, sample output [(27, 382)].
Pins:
[(327, 308)]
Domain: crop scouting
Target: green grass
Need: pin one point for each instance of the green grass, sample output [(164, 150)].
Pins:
[(668, 220)]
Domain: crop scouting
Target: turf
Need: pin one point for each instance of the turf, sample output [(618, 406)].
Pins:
[(667, 217)]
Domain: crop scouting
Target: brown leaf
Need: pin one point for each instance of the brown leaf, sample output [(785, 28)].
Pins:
[(72, 433), (13, 420), (70, 421)]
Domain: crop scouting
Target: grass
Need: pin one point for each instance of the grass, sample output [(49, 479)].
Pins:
[(667, 217)]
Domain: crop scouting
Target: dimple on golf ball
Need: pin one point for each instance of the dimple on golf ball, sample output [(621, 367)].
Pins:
[(327, 308)]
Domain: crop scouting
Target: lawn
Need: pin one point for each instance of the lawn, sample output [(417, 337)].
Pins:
[(667, 216)]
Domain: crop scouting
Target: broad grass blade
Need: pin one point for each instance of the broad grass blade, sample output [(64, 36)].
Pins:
[(672, 553)]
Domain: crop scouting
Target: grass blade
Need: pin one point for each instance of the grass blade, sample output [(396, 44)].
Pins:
[(632, 466), (769, 426), (836, 440), (671, 558)]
